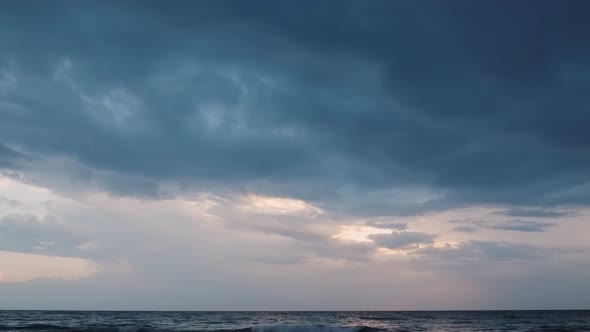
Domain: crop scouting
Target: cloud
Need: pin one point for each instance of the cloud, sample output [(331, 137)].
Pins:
[(402, 240), (507, 225), (27, 233), (9, 157), (465, 229), (523, 226), (172, 253), (14, 203), (480, 252), (230, 143), (188, 113), (535, 213), (19, 267), (387, 225)]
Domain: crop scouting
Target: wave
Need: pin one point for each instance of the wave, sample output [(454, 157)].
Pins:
[(256, 328), (34, 327), (131, 328), (379, 318), (310, 328), (90, 328)]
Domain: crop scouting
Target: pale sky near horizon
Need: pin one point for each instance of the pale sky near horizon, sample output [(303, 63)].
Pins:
[(294, 155)]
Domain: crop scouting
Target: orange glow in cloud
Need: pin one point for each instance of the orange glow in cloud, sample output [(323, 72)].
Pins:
[(278, 205), (359, 233)]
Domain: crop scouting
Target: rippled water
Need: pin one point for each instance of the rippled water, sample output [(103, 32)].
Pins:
[(22, 321)]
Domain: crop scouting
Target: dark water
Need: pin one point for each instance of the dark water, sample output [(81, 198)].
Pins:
[(71, 321)]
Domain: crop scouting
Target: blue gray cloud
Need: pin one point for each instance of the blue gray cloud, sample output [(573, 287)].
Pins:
[(402, 240), (535, 213), (29, 234), (365, 112), (240, 93), (470, 226), (523, 226), (465, 229)]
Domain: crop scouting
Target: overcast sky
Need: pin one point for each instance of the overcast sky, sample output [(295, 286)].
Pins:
[(294, 155)]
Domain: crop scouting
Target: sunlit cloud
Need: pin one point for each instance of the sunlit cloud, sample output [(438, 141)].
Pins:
[(278, 205), (19, 267), (359, 233)]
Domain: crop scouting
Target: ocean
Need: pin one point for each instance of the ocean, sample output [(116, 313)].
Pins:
[(371, 321)]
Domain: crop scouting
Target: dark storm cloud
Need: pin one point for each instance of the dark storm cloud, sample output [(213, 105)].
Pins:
[(8, 157), (484, 101)]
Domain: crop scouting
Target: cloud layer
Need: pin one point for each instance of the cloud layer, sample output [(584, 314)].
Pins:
[(271, 139)]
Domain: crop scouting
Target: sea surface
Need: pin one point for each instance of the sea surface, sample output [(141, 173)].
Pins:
[(103, 321)]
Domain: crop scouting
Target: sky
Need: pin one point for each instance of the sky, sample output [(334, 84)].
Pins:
[(294, 155)]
